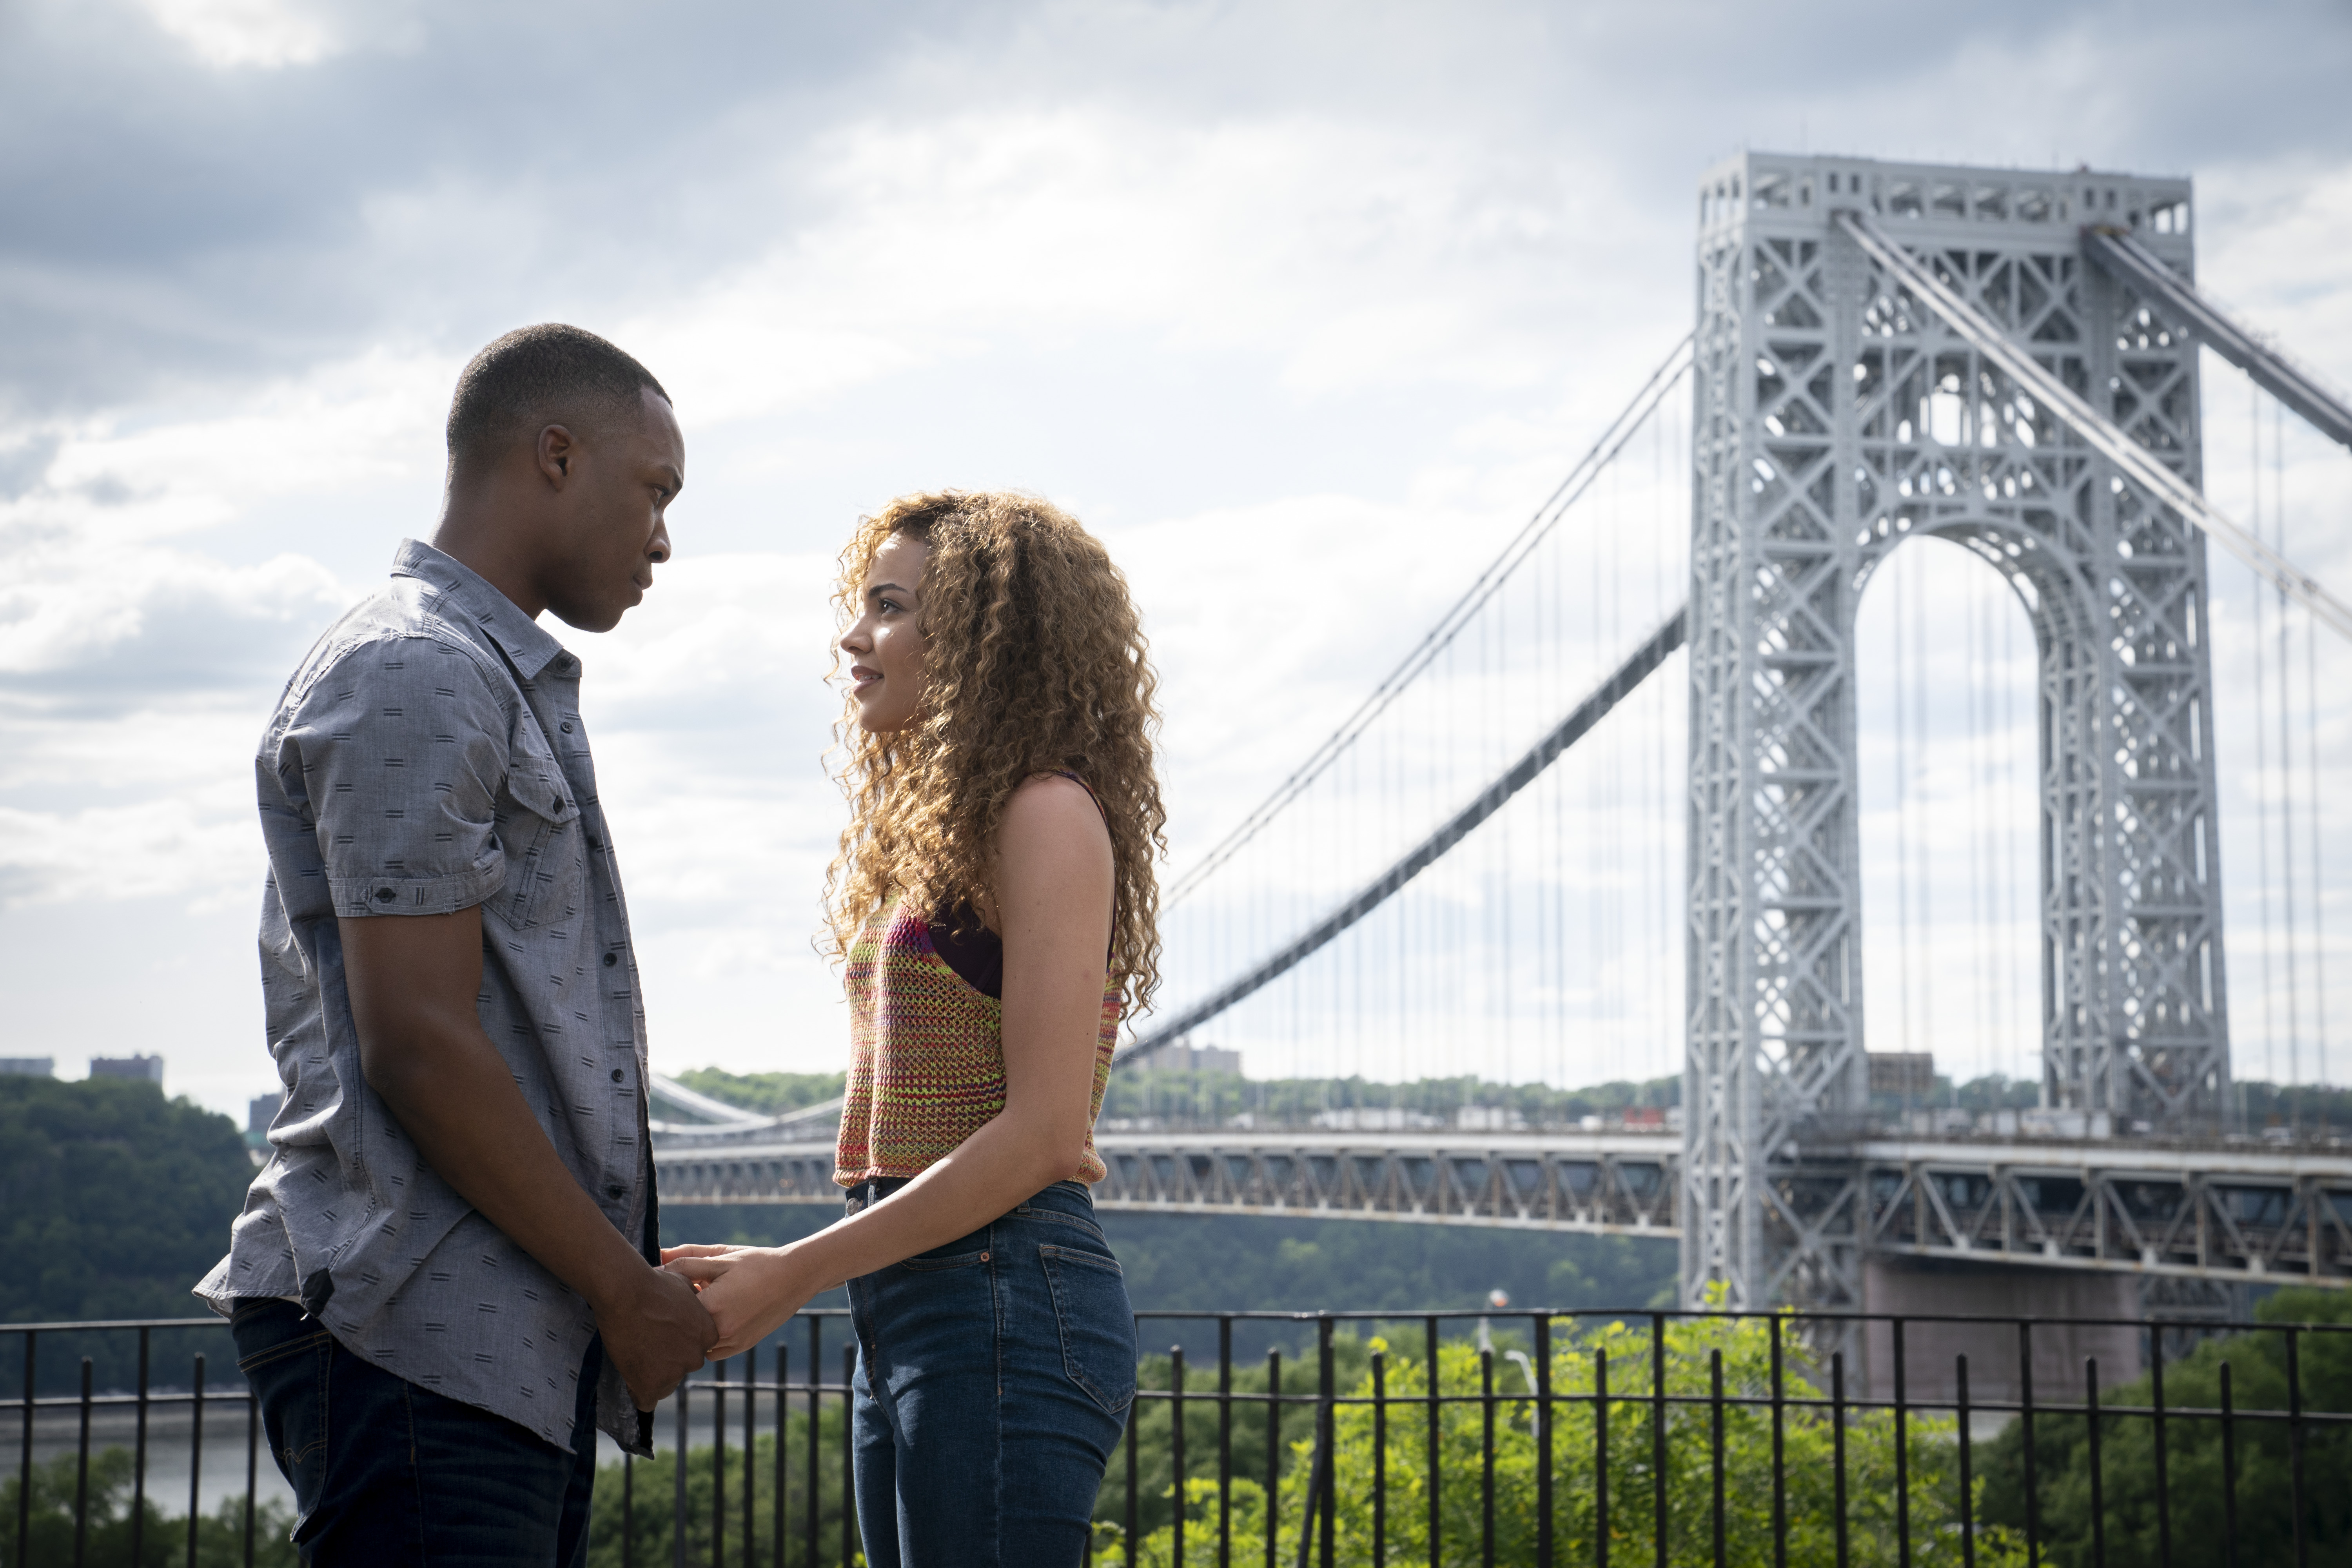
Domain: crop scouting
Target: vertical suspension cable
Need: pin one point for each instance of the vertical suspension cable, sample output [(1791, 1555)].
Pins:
[(1972, 679), (1923, 842), (2286, 771), (2261, 737), (2017, 1053), (2318, 858), (1895, 575), (1559, 829)]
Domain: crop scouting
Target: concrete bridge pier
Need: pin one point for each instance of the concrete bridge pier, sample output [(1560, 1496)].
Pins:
[(1909, 1286)]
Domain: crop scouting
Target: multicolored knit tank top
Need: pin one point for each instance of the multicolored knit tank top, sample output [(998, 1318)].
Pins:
[(927, 1058)]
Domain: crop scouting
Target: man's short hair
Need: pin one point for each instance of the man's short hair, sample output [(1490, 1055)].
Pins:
[(537, 376)]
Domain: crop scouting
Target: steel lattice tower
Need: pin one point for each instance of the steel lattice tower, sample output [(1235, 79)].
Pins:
[(1836, 415)]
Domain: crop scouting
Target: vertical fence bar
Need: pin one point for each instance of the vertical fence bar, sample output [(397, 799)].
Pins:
[(678, 1499), (1902, 1455), (2091, 1430), (2163, 1489), (1176, 1439), (1326, 1437), (1380, 1459), (1273, 1449), (848, 1468), (81, 1472), (1968, 1485), (252, 1460), (785, 1426), (1837, 1449), (1600, 1458), (195, 1450), (814, 1499), (1543, 1441), (1429, 1339), (1714, 1446), (1132, 1517), (2294, 1446), (1658, 1433), (1780, 1452), (2025, 1448), (1486, 1457), (2228, 1472), (24, 1456), (1225, 1441), (139, 1462), (628, 1510), (718, 1465), (750, 1456)]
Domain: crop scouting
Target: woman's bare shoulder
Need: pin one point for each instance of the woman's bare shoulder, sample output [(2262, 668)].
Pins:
[(1053, 821)]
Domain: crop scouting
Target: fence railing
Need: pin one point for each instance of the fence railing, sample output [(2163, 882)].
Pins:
[(1514, 1437)]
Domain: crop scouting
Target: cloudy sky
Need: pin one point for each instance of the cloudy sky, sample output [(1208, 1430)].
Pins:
[(1304, 307)]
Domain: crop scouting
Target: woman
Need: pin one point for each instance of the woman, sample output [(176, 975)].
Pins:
[(993, 897)]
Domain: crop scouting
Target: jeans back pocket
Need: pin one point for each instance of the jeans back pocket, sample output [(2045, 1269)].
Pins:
[(1097, 1323)]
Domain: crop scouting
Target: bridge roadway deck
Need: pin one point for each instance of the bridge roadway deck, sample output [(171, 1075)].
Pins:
[(2224, 1210)]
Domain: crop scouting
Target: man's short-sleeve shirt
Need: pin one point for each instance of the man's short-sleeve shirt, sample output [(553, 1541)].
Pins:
[(427, 757)]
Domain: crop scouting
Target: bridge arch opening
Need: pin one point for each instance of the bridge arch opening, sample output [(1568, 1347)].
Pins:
[(1946, 718)]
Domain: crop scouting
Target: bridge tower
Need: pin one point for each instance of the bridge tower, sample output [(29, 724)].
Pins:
[(1837, 415)]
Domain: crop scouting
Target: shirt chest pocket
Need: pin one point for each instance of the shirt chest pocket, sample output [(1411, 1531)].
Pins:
[(547, 863)]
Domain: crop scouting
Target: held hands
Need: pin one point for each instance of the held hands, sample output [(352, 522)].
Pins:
[(655, 1332), (748, 1292)]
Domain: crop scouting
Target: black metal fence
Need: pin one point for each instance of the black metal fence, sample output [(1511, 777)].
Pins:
[(1440, 1438)]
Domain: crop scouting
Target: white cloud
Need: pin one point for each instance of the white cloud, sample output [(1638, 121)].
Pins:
[(267, 35)]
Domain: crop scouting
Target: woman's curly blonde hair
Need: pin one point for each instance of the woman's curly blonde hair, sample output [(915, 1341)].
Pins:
[(1035, 662)]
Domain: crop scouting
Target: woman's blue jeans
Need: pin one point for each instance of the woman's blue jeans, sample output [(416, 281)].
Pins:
[(993, 1379)]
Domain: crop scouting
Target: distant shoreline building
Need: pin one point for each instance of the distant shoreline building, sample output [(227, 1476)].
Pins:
[(28, 1067), (1193, 1058), (146, 1070)]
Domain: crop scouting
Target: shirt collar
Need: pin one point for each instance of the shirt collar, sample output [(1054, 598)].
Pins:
[(525, 642)]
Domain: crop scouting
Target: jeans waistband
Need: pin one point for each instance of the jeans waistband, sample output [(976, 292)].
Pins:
[(875, 1188)]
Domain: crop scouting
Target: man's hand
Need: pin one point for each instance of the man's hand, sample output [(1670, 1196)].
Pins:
[(657, 1333), (750, 1293), (412, 981)]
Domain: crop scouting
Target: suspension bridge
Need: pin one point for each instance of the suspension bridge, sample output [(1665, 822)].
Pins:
[(1616, 812)]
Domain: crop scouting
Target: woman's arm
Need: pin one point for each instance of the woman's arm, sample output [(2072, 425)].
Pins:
[(1053, 908)]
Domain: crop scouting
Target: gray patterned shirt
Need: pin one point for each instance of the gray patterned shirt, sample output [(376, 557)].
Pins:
[(427, 757)]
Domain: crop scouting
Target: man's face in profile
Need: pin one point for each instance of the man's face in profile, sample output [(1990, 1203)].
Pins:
[(623, 479)]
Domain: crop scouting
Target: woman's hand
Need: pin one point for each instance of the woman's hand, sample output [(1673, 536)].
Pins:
[(748, 1292)]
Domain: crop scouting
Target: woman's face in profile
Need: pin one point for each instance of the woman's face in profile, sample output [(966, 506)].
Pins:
[(886, 646)]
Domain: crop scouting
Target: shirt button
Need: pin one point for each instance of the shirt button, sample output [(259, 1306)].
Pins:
[(384, 895), (560, 803), (615, 1190), (616, 1074), (567, 728), (611, 959)]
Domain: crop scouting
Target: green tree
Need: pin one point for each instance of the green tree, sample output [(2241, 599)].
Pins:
[(769, 1093), (2195, 1477), (1809, 1441), (113, 1202), (164, 1540)]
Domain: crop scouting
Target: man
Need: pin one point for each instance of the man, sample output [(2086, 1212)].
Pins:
[(445, 1280)]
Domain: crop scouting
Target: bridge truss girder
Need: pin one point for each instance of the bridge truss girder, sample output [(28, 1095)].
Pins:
[(1837, 415), (2231, 1214), (2150, 1212)]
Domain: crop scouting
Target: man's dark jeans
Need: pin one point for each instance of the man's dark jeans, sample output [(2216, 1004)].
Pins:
[(386, 1472)]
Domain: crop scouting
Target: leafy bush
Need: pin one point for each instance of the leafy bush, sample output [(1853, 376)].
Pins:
[(2195, 1488)]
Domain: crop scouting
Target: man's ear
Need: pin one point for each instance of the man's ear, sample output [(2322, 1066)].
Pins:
[(557, 451)]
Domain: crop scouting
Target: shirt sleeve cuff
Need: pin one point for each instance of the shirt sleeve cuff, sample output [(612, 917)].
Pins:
[(386, 895)]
